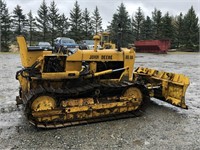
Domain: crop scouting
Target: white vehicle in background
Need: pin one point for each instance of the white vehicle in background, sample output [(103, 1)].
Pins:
[(45, 45), (42, 46)]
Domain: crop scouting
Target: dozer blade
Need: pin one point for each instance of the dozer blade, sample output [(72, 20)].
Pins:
[(169, 87)]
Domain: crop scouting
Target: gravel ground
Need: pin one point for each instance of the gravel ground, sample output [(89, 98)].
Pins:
[(162, 126)]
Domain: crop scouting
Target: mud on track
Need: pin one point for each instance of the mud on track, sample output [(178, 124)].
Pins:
[(162, 126)]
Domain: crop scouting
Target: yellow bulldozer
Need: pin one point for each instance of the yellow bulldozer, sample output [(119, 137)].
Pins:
[(68, 88)]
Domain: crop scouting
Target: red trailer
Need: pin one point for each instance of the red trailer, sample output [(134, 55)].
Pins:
[(152, 46)]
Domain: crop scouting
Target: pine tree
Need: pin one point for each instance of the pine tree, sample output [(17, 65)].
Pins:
[(63, 25), (167, 27), (42, 20), (96, 21), (53, 20), (157, 24), (76, 22), (191, 30), (137, 22), (146, 29), (87, 25), (5, 25), (113, 28), (19, 20), (179, 34), (31, 26), (122, 18)]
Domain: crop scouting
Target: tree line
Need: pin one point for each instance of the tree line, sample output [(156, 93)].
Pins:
[(181, 30)]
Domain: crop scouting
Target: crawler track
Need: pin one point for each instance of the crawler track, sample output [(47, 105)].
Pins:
[(81, 91)]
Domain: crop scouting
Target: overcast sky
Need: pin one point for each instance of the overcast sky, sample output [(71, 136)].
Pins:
[(108, 7)]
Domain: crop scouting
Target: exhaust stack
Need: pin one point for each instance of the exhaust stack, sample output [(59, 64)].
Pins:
[(96, 39)]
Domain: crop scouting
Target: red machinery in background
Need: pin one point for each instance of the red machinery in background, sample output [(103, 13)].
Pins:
[(152, 46)]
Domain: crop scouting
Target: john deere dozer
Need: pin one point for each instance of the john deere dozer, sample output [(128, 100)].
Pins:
[(63, 89)]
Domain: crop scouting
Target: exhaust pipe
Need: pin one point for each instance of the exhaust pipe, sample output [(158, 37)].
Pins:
[(119, 37), (96, 39)]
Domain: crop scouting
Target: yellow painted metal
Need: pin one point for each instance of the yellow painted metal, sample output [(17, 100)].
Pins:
[(73, 66), (28, 58), (77, 102), (99, 73), (124, 75), (24, 83), (96, 107), (87, 110), (174, 85), (74, 62), (43, 116), (129, 60), (96, 39), (84, 108), (103, 55), (134, 94), (42, 103), (103, 73), (93, 67), (61, 75), (77, 56), (105, 41), (46, 113)]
